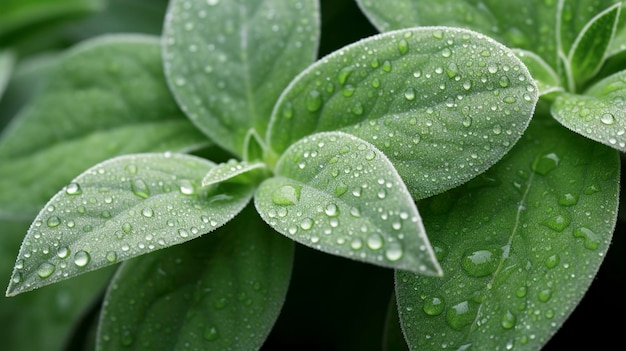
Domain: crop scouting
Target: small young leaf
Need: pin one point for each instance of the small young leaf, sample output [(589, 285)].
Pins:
[(7, 59), (521, 29), (547, 80), (234, 170), (253, 147), (590, 47), (209, 291), (520, 245), (122, 208), (106, 97), (442, 103), (228, 61), (599, 114), (339, 194)]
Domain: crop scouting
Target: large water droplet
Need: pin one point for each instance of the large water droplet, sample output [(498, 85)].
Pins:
[(314, 101), (73, 189), (607, 119), (53, 221), (394, 251), (306, 223), (557, 223), (286, 195), (434, 306), (375, 241), (45, 270), (331, 210), (508, 320), (139, 188), (545, 163), (63, 252), (461, 315), (591, 239), (81, 258), (403, 46), (479, 263)]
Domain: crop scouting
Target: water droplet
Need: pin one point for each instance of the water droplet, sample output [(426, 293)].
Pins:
[(387, 66), (139, 188), (183, 233), (479, 263), (461, 315), (331, 210), (288, 110), (356, 244), (504, 81), (340, 189), (286, 195), (210, 334), (344, 74), (375, 241), (409, 94), (111, 256), (446, 52), (545, 163), (544, 295), (568, 200), (45, 270), (306, 223), (212, 2), (127, 227), (607, 119), (81, 258), (591, 239), (53, 221), (63, 252), (403, 46), (509, 100), (186, 187), (434, 306), (557, 223), (17, 278), (508, 320), (375, 83), (147, 212), (394, 251), (452, 70), (552, 261), (19, 264), (131, 168), (73, 189), (438, 34), (382, 193), (314, 101)]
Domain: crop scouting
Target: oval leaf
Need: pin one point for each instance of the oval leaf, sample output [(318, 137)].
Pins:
[(122, 208), (520, 245), (443, 104), (106, 97), (339, 194), (590, 47), (600, 114), (243, 171), (209, 291), (228, 61)]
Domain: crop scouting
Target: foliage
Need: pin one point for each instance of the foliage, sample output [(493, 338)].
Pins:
[(470, 149)]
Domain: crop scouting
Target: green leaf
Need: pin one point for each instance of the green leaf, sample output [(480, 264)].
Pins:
[(50, 314), (600, 114), (393, 338), (107, 97), (253, 147), (520, 245), (589, 50), (228, 61), (7, 59), (122, 208), (234, 170), (220, 292), (339, 194), (444, 104), (524, 24), (546, 79), (18, 14)]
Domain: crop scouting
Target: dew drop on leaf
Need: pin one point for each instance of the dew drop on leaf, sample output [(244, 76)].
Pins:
[(63, 252), (508, 320), (45, 270), (480, 263), (375, 241), (210, 334), (73, 189), (460, 315), (545, 163), (434, 306), (313, 101), (607, 119), (140, 188), (81, 258), (53, 221), (286, 195)]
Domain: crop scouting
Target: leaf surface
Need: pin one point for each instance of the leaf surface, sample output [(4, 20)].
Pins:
[(122, 208), (107, 97), (442, 103), (341, 195), (228, 61), (7, 60), (545, 77), (235, 171), (519, 245), (599, 114), (219, 292)]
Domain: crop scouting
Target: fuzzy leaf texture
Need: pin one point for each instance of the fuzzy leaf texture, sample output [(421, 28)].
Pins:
[(442, 103), (222, 291), (520, 245), (339, 194), (228, 61), (599, 114), (122, 208), (101, 96)]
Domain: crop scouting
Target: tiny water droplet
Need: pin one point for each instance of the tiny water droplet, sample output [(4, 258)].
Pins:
[(45, 270), (387, 66), (394, 251), (509, 100), (147, 212), (306, 223), (331, 210), (53, 221), (63, 252), (544, 295), (186, 187), (73, 189), (409, 94), (183, 233), (504, 81), (140, 188), (356, 243), (467, 122), (81, 258), (403, 46), (111, 256), (552, 261), (375, 241)]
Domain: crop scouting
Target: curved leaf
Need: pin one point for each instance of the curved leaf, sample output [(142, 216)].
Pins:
[(7, 59), (589, 50), (600, 114), (524, 24), (520, 245), (233, 169), (546, 79), (443, 104), (220, 292), (122, 208), (106, 97), (228, 61), (339, 194)]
